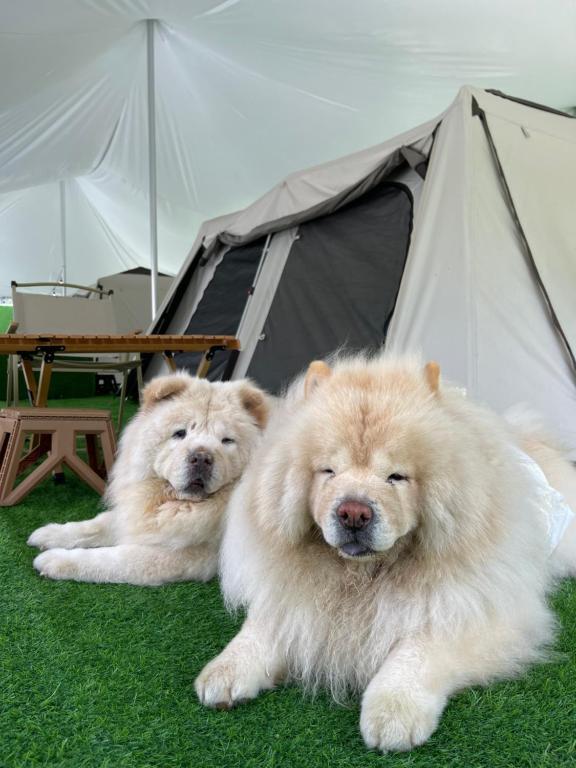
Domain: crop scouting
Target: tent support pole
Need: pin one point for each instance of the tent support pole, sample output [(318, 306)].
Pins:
[(62, 186), (152, 198)]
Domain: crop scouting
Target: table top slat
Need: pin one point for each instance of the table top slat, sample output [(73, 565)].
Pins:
[(14, 343)]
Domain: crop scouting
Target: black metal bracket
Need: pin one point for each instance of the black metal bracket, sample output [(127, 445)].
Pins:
[(49, 350), (212, 351)]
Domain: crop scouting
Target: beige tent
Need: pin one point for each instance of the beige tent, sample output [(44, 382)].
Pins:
[(131, 290), (456, 239)]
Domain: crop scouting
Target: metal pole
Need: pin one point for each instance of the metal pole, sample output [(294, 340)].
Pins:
[(62, 186), (150, 23)]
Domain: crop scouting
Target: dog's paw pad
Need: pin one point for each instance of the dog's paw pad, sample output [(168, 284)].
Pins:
[(56, 564), (223, 684), (46, 537), (396, 721)]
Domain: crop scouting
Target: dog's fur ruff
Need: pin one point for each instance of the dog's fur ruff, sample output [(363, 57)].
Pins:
[(453, 593), (159, 528)]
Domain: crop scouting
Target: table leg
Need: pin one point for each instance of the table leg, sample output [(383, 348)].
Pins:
[(206, 362), (30, 379), (42, 400), (169, 357), (44, 381)]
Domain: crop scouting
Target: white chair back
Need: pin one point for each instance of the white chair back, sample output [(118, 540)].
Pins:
[(39, 313)]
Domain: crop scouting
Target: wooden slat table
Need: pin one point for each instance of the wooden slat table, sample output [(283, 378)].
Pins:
[(28, 345)]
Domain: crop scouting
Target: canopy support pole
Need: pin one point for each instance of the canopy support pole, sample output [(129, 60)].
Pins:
[(62, 186), (152, 199)]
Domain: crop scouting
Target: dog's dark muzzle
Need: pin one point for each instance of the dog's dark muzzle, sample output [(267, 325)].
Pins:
[(355, 520), (201, 464)]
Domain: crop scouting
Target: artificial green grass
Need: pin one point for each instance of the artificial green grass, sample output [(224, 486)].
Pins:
[(100, 676), (5, 317)]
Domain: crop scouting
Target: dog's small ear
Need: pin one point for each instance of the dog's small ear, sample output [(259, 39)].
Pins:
[(164, 388), (315, 375), (432, 374), (255, 402)]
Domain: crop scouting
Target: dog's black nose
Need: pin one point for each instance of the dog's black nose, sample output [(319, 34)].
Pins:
[(201, 459), (354, 514)]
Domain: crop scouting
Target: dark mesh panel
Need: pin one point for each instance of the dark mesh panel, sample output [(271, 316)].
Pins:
[(339, 285), (221, 307)]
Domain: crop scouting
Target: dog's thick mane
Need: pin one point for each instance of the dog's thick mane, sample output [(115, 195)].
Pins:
[(336, 620)]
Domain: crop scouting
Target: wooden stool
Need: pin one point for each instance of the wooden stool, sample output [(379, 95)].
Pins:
[(53, 432)]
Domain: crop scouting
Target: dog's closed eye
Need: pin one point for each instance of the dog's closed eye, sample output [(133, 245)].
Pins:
[(228, 440), (396, 477), (179, 434)]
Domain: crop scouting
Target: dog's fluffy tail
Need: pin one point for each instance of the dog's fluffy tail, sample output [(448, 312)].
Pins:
[(533, 437), (529, 428)]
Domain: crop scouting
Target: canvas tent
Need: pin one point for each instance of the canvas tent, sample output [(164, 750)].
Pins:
[(456, 239), (132, 296)]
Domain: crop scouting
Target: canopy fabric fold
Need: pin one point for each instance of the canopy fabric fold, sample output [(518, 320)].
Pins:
[(247, 93)]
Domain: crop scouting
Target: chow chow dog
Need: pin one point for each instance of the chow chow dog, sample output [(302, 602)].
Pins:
[(178, 461), (390, 537)]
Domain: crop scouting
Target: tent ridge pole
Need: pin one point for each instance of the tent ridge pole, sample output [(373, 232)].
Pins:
[(62, 186), (152, 194)]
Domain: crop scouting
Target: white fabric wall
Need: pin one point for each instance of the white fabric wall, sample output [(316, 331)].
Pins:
[(248, 91), (468, 298), (548, 155)]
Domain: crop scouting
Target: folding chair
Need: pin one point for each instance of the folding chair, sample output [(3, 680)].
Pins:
[(37, 313)]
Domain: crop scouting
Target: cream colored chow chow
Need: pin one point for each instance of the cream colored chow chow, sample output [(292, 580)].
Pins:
[(390, 538), (178, 461)]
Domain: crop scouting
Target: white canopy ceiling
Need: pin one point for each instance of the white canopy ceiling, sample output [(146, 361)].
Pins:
[(247, 91)]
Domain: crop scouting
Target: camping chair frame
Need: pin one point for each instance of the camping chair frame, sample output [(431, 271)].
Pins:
[(38, 394)]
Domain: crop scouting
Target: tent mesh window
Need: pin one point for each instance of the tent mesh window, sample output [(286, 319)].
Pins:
[(220, 309), (339, 285)]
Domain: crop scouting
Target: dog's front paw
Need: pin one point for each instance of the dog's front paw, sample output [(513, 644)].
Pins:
[(48, 537), (56, 564), (398, 720), (228, 680)]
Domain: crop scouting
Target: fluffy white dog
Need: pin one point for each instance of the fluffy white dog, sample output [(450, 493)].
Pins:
[(393, 538), (178, 461)]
